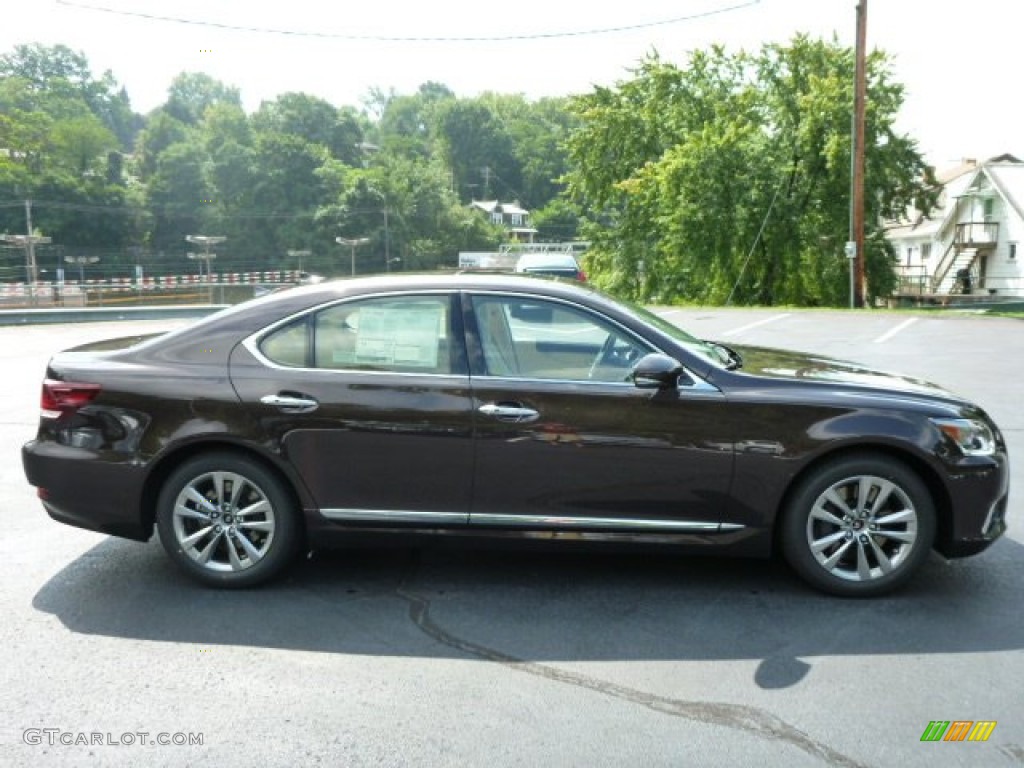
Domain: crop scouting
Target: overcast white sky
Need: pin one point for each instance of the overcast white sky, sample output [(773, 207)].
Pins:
[(960, 62)]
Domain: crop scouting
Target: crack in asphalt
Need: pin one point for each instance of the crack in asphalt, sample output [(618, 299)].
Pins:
[(738, 716), (1014, 752)]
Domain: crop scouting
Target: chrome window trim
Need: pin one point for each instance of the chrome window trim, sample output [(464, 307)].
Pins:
[(699, 385), (252, 341), (574, 382), (559, 300)]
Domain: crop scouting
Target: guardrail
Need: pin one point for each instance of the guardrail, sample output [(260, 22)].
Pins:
[(106, 314), (164, 282)]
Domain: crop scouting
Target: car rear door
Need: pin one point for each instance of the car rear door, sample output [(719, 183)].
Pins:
[(369, 400)]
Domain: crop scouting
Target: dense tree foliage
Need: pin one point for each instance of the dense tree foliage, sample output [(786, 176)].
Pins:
[(731, 176), (672, 174)]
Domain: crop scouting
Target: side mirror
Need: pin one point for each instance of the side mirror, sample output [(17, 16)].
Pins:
[(656, 371)]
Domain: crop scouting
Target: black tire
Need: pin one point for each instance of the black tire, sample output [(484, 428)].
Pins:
[(862, 549), (247, 538)]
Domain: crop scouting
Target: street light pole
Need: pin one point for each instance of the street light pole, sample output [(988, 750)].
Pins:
[(300, 255), (81, 261), (352, 242), (206, 241)]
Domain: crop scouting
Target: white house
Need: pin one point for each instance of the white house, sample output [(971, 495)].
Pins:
[(970, 243), (511, 216)]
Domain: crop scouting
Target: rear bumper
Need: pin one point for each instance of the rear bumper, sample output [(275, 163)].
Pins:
[(86, 489)]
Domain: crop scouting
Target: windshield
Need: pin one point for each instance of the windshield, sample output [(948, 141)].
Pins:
[(715, 354)]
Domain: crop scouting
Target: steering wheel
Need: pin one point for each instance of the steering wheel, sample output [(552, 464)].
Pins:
[(610, 356)]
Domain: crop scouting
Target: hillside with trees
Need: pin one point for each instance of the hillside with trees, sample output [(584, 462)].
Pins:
[(726, 176)]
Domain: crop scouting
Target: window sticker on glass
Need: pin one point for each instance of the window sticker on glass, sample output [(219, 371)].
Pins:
[(400, 336)]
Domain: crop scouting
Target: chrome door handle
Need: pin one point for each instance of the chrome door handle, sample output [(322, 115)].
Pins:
[(515, 414), (291, 403)]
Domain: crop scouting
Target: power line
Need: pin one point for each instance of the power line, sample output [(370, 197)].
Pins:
[(413, 38)]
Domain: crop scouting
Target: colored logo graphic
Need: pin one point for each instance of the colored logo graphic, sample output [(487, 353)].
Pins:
[(958, 730)]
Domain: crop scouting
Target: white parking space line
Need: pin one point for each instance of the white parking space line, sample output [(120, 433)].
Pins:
[(756, 324), (893, 331)]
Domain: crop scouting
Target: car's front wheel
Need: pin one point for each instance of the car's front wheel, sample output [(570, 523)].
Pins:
[(858, 526), (227, 521)]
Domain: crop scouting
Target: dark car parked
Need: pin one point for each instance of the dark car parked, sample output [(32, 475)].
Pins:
[(504, 406), (551, 265)]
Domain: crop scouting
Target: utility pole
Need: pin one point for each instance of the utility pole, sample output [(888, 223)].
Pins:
[(387, 243), (30, 246), (859, 117), (487, 180), (28, 242)]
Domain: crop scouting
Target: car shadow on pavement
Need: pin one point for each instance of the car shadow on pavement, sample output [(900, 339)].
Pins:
[(544, 606)]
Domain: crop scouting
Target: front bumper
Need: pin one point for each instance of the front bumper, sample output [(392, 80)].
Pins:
[(979, 496)]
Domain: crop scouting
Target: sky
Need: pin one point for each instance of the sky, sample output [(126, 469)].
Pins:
[(960, 62)]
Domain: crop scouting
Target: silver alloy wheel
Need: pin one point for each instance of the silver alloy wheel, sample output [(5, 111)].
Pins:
[(223, 521), (862, 528)]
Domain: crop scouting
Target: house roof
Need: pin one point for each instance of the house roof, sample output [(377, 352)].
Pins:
[(496, 206), (1008, 178), (1005, 172), (946, 175)]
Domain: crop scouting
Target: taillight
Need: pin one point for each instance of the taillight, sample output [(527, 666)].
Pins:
[(65, 397), (581, 275)]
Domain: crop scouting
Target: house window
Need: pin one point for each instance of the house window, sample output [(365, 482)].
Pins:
[(517, 219), (496, 218), (1013, 251), (926, 252), (988, 207)]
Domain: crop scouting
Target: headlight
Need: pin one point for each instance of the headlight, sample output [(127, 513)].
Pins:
[(973, 438)]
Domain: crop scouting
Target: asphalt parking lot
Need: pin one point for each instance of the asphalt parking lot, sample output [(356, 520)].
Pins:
[(440, 657)]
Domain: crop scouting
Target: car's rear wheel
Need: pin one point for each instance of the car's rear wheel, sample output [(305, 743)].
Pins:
[(227, 521), (858, 526)]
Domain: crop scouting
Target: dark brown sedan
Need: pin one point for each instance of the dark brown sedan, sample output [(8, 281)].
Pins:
[(499, 406)]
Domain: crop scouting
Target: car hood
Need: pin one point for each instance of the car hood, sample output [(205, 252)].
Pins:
[(798, 366)]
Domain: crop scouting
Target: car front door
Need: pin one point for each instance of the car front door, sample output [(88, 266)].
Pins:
[(368, 399), (566, 441)]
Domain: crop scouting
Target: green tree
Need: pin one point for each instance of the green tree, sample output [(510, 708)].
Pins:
[(192, 93), (478, 149), (538, 131), (316, 121), (730, 177), (409, 125), (59, 149), (160, 132), (176, 197), (63, 79), (81, 144)]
